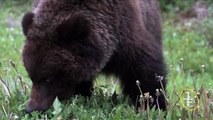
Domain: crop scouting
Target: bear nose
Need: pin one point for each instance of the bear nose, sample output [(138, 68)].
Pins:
[(40, 106), (29, 108)]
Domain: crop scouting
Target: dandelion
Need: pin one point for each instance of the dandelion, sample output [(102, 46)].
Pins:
[(157, 93), (146, 95), (138, 84)]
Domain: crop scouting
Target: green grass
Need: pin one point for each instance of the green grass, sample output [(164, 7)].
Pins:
[(186, 48)]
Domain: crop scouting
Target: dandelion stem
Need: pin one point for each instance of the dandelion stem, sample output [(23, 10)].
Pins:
[(6, 88)]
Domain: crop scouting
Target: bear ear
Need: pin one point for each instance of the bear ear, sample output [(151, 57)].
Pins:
[(75, 28), (27, 22)]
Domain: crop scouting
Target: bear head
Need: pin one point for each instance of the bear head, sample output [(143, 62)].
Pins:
[(53, 57)]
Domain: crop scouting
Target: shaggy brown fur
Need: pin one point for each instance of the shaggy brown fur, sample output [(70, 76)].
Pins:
[(70, 41)]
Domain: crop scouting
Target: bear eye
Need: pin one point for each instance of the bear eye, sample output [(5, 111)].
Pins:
[(45, 79)]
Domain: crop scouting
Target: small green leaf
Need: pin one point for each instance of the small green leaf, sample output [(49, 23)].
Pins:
[(57, 107)]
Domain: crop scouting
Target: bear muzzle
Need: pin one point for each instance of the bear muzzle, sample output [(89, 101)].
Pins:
[(40, 100)]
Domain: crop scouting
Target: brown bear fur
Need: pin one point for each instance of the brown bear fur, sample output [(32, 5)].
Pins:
[(69, 42)]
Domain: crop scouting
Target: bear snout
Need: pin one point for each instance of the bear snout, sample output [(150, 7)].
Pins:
[(30, 107), (40, 99), (37, 106)]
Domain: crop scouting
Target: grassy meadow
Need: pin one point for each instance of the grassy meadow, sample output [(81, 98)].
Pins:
[(188, 49)]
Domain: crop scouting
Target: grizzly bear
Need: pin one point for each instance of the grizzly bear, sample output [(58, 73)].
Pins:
[(69, 42)]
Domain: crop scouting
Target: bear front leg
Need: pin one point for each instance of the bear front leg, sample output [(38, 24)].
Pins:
[(84, 88), (131, 89)]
